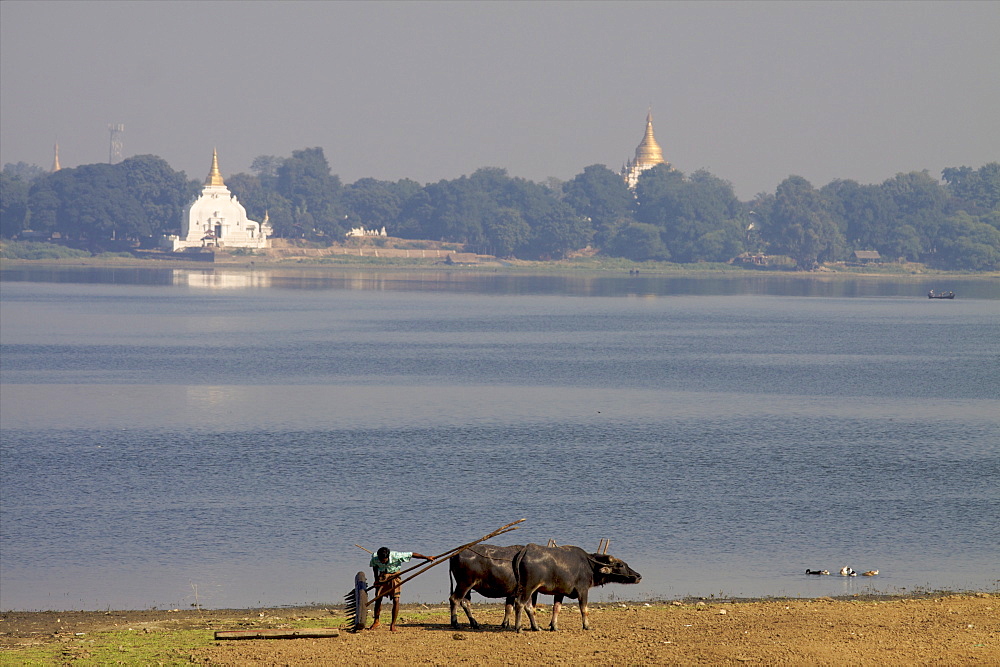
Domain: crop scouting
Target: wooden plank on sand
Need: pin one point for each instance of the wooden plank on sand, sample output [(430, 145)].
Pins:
[(286, 633)]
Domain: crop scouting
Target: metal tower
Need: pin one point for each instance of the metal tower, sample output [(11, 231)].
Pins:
[(115, 151)]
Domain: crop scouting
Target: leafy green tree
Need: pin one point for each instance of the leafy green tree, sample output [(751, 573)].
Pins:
[(720, 244), (45, 199), (91, 204), (903, 242), (706, 229), (601, 196), (262, 201), (556, 230), (161, 192), (966, 243), (98, 206), (698, 217), (248, 190), (504, 232), (415, 215), (655, 193), (372, 204), (266, 167), (13, 205), (638, 241), (976, 191), (489, 210), (455, 211), (24, 171), (919, 201), (758, 217), (865, 214), (313, 193), (800, 225), (992, 218)]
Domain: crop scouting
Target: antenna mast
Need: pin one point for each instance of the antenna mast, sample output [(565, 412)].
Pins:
[(117, 130)]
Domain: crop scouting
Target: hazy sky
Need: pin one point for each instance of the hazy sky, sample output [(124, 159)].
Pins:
[(751, 91)]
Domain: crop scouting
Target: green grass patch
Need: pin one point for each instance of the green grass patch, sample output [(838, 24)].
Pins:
[(149, 644), (129, 647), (35, 250)]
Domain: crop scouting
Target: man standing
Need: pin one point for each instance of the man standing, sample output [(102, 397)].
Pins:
[(386, 566)]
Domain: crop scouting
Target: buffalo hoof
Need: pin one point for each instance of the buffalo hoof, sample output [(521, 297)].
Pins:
[(474, 624)]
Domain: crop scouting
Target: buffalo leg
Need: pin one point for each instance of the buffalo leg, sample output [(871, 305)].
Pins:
[(556, 606), (508, 608), (524, 601), (531, 615), (583, 610), (464, 600)]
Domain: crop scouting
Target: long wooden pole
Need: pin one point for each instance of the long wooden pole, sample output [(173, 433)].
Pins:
[(448, 554)]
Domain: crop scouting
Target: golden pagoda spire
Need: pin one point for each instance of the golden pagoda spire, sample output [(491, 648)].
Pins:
[(55, 159), (649, 153), (214, 176)]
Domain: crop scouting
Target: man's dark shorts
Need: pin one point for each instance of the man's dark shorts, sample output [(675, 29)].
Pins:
[(388, 587)]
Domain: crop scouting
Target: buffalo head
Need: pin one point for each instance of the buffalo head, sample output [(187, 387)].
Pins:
[(611, 570)]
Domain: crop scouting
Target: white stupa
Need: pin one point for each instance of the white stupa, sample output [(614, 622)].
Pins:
[(217, 219)]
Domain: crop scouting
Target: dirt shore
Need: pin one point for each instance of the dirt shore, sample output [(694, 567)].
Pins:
[(945, 630)]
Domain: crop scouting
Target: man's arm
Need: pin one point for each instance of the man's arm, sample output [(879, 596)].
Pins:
[(427, 558)]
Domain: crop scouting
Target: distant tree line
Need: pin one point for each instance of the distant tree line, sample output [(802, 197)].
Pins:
[(95, 205), (954, 224)]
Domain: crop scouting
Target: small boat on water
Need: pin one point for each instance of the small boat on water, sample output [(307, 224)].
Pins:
[(940, 295)]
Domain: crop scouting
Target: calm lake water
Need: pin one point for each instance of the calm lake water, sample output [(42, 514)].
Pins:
[(226, 437)]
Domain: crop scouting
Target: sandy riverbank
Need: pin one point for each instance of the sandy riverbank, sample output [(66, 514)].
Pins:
[(947, 629)]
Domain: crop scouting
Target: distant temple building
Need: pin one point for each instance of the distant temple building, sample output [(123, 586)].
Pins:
[(361, 231), (647, 155), (55, 160), (217, 219)]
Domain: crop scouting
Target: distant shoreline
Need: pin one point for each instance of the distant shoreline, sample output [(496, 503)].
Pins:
[(589, 266)]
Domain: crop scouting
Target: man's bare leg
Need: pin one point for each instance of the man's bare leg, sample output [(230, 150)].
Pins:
[(376, 613), (395, 614)]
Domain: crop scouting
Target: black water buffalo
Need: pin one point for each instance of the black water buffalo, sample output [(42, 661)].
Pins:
[(486, 569), (564, 571)]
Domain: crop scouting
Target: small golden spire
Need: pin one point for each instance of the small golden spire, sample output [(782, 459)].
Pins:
[(55, 160), (214, 176)]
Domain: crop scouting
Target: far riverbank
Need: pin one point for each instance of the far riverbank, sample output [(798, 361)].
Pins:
[(580, 265)]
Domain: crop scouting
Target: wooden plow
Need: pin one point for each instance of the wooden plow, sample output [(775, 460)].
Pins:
[(356, 602)]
